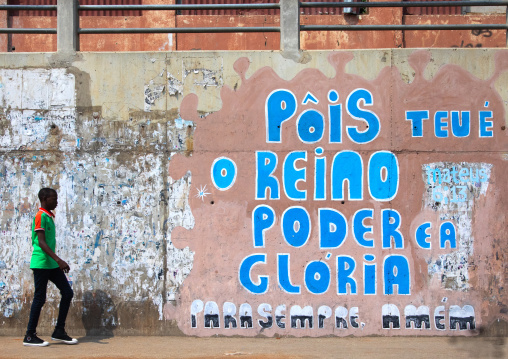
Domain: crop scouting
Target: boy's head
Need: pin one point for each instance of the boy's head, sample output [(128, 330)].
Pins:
[(48, 198)]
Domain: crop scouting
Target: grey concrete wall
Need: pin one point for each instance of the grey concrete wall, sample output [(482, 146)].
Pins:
[(155, 243)]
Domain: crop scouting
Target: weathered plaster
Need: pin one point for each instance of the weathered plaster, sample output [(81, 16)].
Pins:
[(364, 65), (456, 204), (129, 139), (478, 63)]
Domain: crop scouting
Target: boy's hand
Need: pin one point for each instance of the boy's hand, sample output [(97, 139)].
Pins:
[(44, 246), (63, 265)]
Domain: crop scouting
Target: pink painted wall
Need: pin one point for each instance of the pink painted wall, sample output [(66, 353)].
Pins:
[(416, 234)]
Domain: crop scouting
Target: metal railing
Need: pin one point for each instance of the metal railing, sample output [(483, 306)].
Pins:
[(24, 30), (176, 30), (68, 29), (406, 4)]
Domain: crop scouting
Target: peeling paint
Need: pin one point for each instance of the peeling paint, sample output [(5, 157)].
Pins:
[(210, 78), (175, 86), (153, 93), (113, 206), (453, 196)]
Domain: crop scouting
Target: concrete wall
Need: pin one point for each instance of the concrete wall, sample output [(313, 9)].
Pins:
[(242, 193)]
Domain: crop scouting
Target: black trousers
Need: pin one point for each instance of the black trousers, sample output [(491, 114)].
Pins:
[(41, 278)]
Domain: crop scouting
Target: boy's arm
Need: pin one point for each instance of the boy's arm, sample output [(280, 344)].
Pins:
[(41, 236)]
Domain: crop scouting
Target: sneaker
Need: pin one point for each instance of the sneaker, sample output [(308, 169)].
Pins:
[(32, 340), (61, 336)]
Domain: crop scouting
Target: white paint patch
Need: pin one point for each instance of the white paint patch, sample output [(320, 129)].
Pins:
[(179, 261), (168, 45), (453, 195), (96, 254), (37, 89)]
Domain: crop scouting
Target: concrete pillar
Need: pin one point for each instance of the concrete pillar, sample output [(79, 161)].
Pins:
[(67, 26), (290, 26)]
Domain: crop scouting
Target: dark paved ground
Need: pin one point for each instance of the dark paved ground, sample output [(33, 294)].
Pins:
[(261, 348)]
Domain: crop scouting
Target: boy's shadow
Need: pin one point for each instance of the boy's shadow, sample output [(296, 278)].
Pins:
[(99, 316)]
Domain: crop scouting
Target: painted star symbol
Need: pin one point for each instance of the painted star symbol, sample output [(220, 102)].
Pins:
[(202, 192)]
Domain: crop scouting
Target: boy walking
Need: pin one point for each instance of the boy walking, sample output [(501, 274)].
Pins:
[(47, 266)]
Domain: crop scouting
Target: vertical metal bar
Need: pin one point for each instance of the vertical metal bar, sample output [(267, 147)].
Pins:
[(506, 24), (67, 26), (9, 25), (290, 25)]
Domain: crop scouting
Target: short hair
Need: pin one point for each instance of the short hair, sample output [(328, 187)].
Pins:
[(45, 193)]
